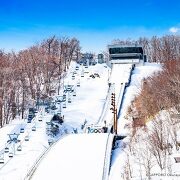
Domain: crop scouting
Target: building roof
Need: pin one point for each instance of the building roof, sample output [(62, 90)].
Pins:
[(120, 45)]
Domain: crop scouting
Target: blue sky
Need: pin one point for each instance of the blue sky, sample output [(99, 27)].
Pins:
[(94, 22)]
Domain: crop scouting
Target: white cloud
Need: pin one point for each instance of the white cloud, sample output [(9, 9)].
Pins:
[(174, 29)]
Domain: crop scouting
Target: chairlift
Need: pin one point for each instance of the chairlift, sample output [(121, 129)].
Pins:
[(34, 128), (74, 93), (40, 118), (78, 84), (6, 149), (22, 130), (86, 71), (64, 105), (50, 141), (19, 148), (11, 154), (26, 138), (1, 160), (64, 98), (59, 113)]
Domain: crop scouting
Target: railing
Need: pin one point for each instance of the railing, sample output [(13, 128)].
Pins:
[(107, 101), (110, 138), (107, 157), (36, 164), (125, 61), (105, 106), (121, 94), (120, 99)]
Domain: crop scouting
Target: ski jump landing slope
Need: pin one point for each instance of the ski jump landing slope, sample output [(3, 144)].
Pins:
[(78, 157)]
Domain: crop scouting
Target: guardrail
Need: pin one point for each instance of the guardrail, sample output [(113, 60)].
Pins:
[(105, 106), (109, 143), (107, 157), (121, 94), (38, 161), (120, 98)]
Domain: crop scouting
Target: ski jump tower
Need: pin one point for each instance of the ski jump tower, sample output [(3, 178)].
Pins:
[(125, 54)]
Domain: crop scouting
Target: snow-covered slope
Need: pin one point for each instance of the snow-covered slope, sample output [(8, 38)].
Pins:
[(87, 105), (120, 157), (79, 156), (138, 74)]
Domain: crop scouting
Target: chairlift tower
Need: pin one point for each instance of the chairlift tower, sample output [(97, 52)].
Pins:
[(13, 138), (69, 89)]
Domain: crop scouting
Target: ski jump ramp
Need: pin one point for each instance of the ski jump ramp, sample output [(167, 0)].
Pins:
[(77, 156), (119, 79), (86, 156)]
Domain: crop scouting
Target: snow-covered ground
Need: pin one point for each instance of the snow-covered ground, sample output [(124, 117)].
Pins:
[(74, 158), (80, 150), (85, 106), (90, 96), (122, 158), (139, 73), (17, 167)]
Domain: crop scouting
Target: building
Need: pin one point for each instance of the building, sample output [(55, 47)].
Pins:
[(126, 54)]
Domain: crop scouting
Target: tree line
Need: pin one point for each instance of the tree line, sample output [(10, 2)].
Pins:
[(157, 49), (33, 73)]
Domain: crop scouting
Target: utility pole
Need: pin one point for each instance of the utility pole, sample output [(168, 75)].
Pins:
[(114, 111)]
